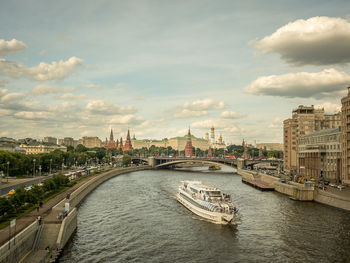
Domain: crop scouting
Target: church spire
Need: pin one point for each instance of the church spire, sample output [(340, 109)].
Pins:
[(111, 139), (128, 135)]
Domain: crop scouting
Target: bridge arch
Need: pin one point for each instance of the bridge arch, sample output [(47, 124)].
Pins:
[(170, 163)]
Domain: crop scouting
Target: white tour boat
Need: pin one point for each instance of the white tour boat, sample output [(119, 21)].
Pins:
[(207, 202)]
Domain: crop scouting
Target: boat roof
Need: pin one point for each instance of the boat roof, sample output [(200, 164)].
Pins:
[(199, 186)]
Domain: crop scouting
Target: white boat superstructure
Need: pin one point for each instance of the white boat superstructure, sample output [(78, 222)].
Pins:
[(207, 202)]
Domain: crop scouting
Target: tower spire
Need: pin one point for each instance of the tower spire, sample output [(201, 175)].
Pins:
[(111, 139)]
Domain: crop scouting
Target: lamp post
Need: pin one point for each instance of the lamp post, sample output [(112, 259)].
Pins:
[(39, 170), (62, 165), (34, 160), (8, 168), (50, 165)]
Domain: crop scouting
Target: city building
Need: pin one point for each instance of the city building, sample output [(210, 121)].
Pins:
[(9, 145), (345, 109), (36, 148), (188, 146), (111, 144), (90, 142), (305, 119), (319, 155), (270, 146), (50, 140)]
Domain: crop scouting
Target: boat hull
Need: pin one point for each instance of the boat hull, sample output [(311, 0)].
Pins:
[(215, 217)]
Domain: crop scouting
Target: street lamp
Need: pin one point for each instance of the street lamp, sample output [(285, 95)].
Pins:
[(34, 160), (8, 168), (50, 165), (62, 165), (39, 170)]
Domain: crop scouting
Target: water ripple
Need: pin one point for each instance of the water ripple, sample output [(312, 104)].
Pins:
[(136, 218)]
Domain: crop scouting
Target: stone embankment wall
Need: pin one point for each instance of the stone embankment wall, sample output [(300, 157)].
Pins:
[(20, 246), (294, 190), (68, 226), (330, 199), (25, 239)]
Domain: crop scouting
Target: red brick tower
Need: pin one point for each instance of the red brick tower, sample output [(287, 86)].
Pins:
[(127, 146), (120, 143), (188, 147), (110, 144)]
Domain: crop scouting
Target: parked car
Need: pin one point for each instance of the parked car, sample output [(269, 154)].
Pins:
[(341, 186)]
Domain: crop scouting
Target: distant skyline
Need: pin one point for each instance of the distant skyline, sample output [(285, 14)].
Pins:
[(80, 68)]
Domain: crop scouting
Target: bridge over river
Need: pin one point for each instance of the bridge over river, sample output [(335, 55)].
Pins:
[(168, 162)]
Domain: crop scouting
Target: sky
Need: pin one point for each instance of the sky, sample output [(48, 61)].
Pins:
[(80, 68)]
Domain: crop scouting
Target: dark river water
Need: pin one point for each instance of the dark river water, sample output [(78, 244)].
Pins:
[(135, 218)]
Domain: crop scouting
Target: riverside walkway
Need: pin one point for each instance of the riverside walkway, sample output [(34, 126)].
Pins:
[(27, 219)]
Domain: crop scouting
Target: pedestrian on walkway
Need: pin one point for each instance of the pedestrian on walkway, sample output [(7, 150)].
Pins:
[(37, 209), (41, 204)]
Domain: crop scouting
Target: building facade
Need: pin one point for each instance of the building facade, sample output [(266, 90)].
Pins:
[(319, 155), (90, 142), (41, 148), (51, 140), (345, 109), (270, 146), (305, 120)]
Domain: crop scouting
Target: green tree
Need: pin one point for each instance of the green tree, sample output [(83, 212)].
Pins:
[(5, 206), (126, 160), (81, 148)]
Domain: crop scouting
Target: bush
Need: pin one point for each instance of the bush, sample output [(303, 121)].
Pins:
[(71, 183), (5, 206)]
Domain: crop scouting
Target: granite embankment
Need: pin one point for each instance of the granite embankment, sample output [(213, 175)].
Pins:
[(300, 192), (31, 243)]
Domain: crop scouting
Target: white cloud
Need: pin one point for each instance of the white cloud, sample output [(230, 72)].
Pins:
[(127, 119), (42, 72), (11, 97), (230, 115), (92, 86), (315, 41), (70, 96), (324, 84), (185, 113), (197, 108), (104, 108), (204, 104), (44, 89), (329, 107), (27, 115), (11, 47)]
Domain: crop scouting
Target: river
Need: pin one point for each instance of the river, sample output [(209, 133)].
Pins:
[(135, 218)]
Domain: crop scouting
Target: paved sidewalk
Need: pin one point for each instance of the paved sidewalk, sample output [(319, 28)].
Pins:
[(345, 193), (27, 219)]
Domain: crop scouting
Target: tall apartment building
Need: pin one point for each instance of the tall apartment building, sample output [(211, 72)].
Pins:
[(50, 140), (90, 142), (345, 109), (305, 119), (320, 152)]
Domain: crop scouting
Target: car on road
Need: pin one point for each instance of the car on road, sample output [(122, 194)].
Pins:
[(28, 188), (12, 192), (341, 187)]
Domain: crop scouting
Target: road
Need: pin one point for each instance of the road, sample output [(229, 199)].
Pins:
[(5, 188)]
